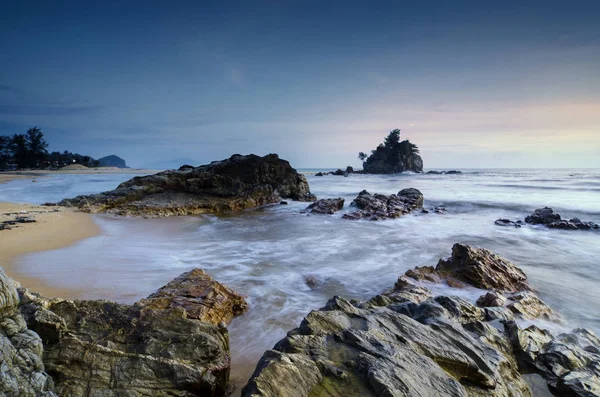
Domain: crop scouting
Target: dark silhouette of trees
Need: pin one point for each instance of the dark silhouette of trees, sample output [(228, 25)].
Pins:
[(362, 156), (30, 150), (393, 155)]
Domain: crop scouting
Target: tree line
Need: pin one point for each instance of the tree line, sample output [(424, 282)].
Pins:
[(30, 150)]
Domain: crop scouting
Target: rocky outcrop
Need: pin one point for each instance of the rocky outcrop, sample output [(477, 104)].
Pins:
[(155, 347), (450, 172), (406, 342), (200, 296), (325, 206), (508, 222), (546, 216), (392, 156), (379, 206), (237, 183), (112, 161), (21, 367)]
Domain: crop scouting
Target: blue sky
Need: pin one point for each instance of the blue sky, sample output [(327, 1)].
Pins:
[(474, 84)]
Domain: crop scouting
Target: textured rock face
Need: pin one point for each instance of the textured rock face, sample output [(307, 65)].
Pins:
[(325, 206), (405, 342), (238, 183), (202, 298), (156, 347), (474, 266), (379, 206), (21, 367)]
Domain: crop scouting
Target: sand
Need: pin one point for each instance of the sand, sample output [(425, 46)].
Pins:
[(55, 227)]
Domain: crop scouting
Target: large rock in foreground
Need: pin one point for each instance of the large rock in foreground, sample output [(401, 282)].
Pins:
[(408, 342), (156, 347), (378, 206), (202, 298), (237, 183), (21, 367)]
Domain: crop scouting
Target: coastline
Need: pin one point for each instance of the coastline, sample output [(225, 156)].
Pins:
[(6, 176), (54, 228)]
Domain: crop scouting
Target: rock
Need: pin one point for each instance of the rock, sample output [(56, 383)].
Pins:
[(102, 348), (342, 350), (237, 183), (491, 299), (529, 306), (319, 174), (186, 167), (573, 224), (393, 156), (379, 206), (452, 172), (112, 161), (325, 206), (202, 298), (474, 266), (283, 202), (543, 216), (22, 371), (434, 172), (311, 281), (508, 222), (349, 170)]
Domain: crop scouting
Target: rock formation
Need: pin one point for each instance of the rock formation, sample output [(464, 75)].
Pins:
[(393, 156), (237, 183), (325, 206), (112, 161), (155, 347), (407, 342), (21, 367), (379, 206), (547, 217), (202, 298)]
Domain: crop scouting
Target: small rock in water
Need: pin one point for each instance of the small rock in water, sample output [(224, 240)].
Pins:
[(508, 222), (311, 281), (283, 203), (325, 206)]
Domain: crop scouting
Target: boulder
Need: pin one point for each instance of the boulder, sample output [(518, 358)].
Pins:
[(543, 216), (22, 371), (349, 170), (325, 206), (202, 298), (237, 183), (477, 267), (379, 206), (155, 347), (491, 299), (319, 174)]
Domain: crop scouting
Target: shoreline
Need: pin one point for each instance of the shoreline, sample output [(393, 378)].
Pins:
[(54, 228)]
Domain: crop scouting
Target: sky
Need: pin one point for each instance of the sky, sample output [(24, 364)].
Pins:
[(474, 84)]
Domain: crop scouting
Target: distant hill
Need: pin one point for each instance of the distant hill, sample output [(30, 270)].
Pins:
[(171, 164), (112, 161)]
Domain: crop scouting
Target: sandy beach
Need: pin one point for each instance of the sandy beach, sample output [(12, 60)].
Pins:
[(54, 227)]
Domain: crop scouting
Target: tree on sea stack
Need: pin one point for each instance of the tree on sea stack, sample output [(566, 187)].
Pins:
[(392, 156)]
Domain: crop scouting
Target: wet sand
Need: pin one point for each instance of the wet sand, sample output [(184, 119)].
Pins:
[(55, 227)]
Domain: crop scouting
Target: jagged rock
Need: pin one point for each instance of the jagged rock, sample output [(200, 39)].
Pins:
[(508, 222), (491, 299), (349, 170), (542, 216), (342, 350), (325, 206), (573, 224), (474, 266), (21, 368), (234, 184), (319, 174), (529, 306), (153, 348), (379, 206), (202, 298)]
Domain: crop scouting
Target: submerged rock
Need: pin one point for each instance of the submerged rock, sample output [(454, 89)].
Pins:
[(508, 222), (405, 342), (325, 206), (22, 370), (234, 184), (155, 347), (202, 298), (379, 206)]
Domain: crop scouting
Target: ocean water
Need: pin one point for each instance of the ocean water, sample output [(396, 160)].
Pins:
[(267, 253)]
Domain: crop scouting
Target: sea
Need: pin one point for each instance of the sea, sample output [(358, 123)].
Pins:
[(268, 253)]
